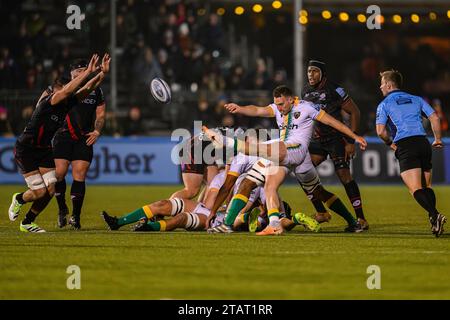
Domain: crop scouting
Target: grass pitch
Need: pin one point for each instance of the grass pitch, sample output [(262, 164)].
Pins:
[(182, 265)]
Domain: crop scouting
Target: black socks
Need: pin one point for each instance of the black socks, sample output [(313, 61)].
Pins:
[(77, 195)]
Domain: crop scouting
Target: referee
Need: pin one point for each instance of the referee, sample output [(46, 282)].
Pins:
[(402, 113)]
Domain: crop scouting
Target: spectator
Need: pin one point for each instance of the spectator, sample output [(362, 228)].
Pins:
[(213, 35), (145, 68), (258, 79), (166, 67), (228, 121), (8, 70), (27, 112), (235, 80), (133, 125), (436, 104), (5, 128), (204, 113)]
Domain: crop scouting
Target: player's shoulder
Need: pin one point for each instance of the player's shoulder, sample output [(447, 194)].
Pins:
[(44, 102), (306, 89), (337, 88), (304, 104)]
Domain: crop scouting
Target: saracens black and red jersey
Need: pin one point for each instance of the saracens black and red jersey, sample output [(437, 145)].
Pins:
[(80, 120), (45, 121), (195, 148), (330, 97)]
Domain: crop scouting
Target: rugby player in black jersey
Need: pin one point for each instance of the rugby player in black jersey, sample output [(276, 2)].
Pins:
[(194, 169), (327, 141), (33, 149), (73, 145)]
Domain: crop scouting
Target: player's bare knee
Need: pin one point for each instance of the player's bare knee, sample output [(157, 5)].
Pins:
[(344, 176), (51, 190), (191, 192), (39, 193)]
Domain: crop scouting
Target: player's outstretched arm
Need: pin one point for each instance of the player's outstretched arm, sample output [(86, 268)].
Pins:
[(73, 85), (92, 84), (332, 122), (249, 111)]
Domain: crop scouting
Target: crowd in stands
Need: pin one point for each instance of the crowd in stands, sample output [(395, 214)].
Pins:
[(187, 45)]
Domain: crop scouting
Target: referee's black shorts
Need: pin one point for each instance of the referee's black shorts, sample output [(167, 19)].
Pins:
[(414, 152)]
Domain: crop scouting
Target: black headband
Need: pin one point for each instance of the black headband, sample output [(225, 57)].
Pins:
[(320, 65), (78, 64)]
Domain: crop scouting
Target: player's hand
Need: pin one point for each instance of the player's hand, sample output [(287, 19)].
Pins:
[(209, 220), (350, 151), (393, 146), (92, 67), (438, 144), (92, 137), (232, 107), (362, 142), (105, 63)]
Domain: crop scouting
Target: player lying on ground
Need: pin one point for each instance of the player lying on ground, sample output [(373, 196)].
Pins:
[(187, 214), (34, 154), (194, 214)]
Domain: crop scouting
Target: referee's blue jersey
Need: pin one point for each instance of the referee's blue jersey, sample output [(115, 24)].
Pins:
[(402, 113)]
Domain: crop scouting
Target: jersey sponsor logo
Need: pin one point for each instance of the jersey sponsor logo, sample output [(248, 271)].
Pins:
[(313, 94), (290, 127), (319, 106), (356, 203), (341, 92), (89, 101), (401, 101)]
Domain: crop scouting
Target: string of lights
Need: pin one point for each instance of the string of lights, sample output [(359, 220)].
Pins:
[(306, 16)]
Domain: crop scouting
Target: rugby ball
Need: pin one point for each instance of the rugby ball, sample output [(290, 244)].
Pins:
[(160, 91)]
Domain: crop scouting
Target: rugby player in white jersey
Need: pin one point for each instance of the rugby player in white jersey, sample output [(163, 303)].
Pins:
[(295, 120)]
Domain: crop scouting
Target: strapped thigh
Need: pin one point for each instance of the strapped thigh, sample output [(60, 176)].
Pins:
[(35, 182)]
